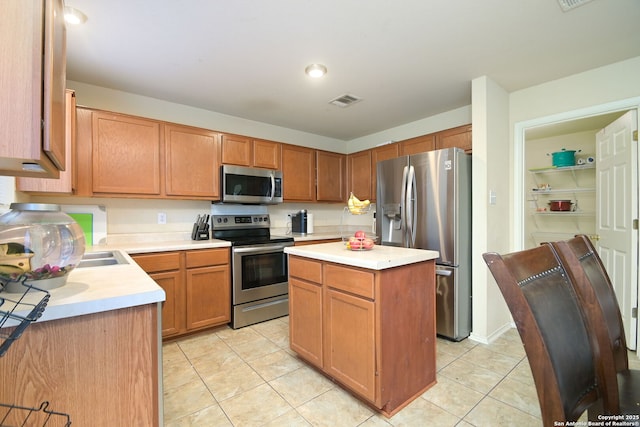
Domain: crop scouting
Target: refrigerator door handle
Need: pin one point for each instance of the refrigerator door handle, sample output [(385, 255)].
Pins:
[(440, 272), (411, 206), (403, 206)]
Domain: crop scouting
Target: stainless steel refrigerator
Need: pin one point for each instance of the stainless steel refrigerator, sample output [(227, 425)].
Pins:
[(424, 201)]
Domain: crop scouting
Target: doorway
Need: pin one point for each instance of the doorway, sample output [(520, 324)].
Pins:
[(570, 130)]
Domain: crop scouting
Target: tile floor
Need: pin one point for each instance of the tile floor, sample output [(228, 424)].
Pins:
[(250, 377)]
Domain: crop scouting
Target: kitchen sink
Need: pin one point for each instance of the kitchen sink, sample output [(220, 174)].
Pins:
[(101, 259)]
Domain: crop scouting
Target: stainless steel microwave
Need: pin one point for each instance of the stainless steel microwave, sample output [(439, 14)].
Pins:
[(250, 185)]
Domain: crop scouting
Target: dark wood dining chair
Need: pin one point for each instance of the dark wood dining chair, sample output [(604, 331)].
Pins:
[(599, 304), (545, 309), (587, 255)]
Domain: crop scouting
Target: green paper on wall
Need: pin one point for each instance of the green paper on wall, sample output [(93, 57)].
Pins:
[(85, 220)]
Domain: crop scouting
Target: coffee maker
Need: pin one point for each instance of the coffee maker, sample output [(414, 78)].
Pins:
[(299, 222)]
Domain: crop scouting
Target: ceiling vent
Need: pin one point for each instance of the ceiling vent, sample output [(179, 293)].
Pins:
[(345, 100), (568, 5)]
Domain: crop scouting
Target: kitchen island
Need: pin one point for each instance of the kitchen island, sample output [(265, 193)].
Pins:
[(94, 355), (366, 319)]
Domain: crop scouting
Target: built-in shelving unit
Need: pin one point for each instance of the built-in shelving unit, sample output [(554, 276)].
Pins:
[(574, 183)]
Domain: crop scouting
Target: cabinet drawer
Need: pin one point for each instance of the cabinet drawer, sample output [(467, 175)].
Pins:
[(205, 257), (164, 261), (305, 269), (358, 282)]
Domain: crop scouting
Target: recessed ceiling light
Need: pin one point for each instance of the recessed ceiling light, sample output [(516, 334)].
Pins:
[(73, 16), (316, 70)]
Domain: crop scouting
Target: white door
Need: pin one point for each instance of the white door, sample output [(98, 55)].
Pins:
[(617, 208)]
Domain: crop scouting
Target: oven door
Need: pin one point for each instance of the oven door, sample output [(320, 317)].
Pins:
[(259, 272)]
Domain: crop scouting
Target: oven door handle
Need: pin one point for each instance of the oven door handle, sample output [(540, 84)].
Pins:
[(258, 249)]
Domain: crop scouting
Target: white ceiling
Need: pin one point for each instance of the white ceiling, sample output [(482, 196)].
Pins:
[(407, 59)]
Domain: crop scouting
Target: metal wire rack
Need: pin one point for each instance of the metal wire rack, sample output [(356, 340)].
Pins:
[(32, 302), (19, 311), (33, 416)]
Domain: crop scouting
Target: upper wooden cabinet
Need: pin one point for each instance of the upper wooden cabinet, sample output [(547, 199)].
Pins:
[(126, 154), (298, 173), (32, 88), (65, 184), (360, 172), (266, 154), (419, 144), (330, 176), (191, 162), (246, 151), (236, 150), (456, 137)]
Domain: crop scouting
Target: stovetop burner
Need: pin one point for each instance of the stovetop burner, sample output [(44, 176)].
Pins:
[(245, 230)]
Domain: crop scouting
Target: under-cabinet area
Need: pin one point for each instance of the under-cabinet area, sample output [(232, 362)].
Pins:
[(560, 201)]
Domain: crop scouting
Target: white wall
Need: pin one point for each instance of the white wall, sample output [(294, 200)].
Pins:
[(447, 120), (609, 84), (602, 85), (491, 154)]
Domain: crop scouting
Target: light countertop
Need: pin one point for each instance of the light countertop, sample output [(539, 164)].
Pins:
[(92, 290), (96, 289), (161, 246), (378, 258)]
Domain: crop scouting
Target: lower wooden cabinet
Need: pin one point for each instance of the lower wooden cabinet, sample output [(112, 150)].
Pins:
[(373, 331), (101, 369), (305, 306), (208, 286), (350, 343), (197, 284)]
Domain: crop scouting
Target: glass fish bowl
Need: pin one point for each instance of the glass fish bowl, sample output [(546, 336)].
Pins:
[(39, 246)]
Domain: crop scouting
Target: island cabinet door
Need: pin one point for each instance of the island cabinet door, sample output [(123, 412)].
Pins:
[(350, 345), (305, 320)]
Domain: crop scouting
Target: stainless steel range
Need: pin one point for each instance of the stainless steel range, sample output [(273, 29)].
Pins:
[(259, 268)]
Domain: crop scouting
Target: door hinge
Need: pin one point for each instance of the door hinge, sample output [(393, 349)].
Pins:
[(635, 224), (635, 135), (634, 313)]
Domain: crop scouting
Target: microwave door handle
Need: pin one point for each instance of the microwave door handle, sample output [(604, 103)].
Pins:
[(273, 185)]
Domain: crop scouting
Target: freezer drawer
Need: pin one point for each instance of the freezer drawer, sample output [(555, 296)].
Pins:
[(453, 304)]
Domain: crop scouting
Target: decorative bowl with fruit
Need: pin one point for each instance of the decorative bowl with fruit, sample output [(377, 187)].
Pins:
[(360, 242)]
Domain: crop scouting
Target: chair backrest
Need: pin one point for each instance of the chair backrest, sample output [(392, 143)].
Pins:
[(545, 309), (600, 283)]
